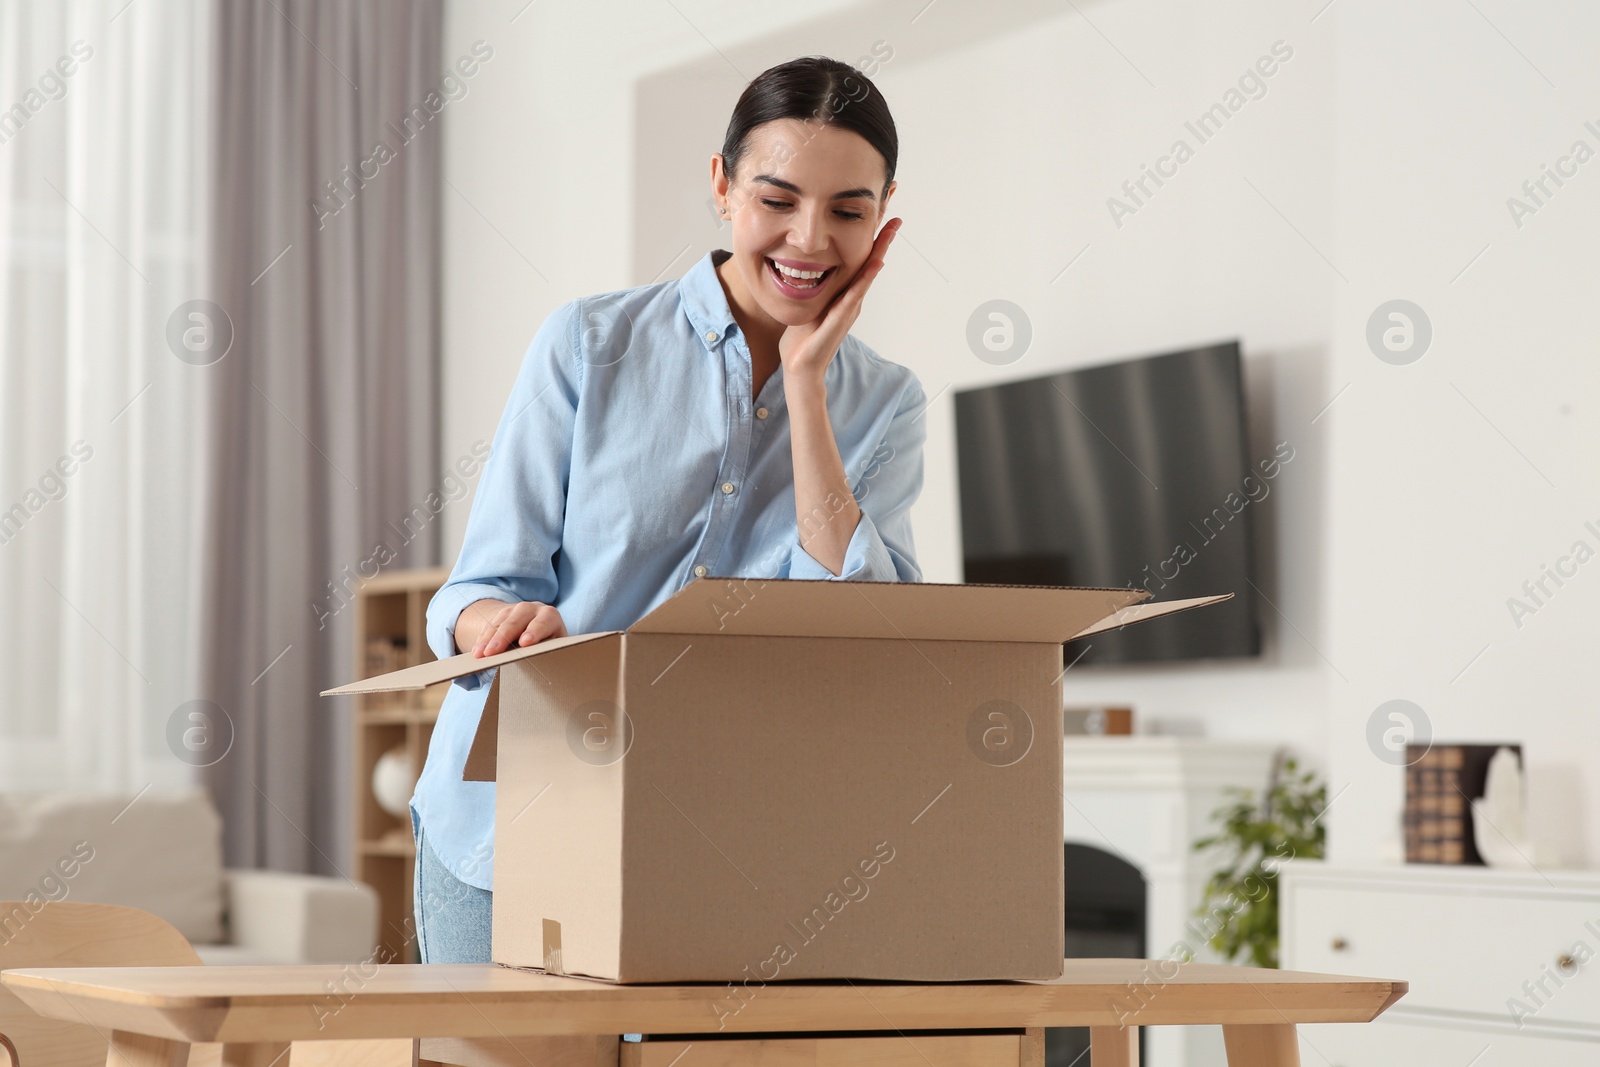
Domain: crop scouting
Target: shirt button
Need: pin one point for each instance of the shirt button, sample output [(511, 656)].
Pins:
[(727, 487), (761, 413), (711, 335), (700, 570)]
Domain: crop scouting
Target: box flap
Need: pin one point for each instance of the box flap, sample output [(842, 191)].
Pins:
[(929, 611), (1139, 612), (443, 670)]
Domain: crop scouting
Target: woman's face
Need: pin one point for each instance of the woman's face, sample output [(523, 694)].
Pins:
[(806, 197)]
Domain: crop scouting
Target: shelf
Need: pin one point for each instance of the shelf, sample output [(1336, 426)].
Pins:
[(399, 714), (393, 607), (405, 581), (395, 843)]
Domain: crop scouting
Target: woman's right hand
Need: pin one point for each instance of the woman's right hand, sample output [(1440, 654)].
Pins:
[(489, 627)]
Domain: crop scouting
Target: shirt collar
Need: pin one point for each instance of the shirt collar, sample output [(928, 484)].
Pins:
[(704, 300)]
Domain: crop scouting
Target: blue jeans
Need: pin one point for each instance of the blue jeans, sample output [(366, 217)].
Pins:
[(453, 918)]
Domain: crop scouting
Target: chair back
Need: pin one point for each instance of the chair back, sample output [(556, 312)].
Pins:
[(69, 934)]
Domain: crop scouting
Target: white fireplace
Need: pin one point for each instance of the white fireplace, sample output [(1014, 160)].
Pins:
[(1146, 799)]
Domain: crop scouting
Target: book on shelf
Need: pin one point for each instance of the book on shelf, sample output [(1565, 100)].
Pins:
[(1441, 783)]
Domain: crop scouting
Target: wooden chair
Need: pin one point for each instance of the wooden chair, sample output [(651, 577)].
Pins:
[(68, 934), (65, 934)]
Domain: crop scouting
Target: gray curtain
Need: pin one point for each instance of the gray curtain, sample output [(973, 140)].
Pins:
[(322, 424)]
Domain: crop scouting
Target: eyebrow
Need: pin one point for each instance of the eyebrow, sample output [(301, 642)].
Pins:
[(849, 194)]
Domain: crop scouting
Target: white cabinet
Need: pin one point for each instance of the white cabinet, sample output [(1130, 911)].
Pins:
[(1390, 1042), (1503, 965)]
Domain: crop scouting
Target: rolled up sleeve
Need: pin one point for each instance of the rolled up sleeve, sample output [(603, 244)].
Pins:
[(881, 548), (514, 528)]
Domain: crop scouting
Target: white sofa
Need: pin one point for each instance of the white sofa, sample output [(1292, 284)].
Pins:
[(163, 853)]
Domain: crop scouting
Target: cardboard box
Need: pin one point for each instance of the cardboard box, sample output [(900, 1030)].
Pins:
[(784, 779)]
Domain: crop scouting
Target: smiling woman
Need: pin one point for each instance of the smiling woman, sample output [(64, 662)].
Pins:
[(719, 425), (806, 173)]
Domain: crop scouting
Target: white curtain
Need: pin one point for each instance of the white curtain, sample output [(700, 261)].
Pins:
[(102, 200)]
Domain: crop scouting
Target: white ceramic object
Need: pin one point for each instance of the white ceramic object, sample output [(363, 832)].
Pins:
[(393, 782), (1498, 826)]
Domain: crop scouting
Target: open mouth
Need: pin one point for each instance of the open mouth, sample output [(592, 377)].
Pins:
[(797, 282)]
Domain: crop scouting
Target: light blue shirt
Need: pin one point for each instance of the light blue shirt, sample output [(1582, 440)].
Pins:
[(629, 457)]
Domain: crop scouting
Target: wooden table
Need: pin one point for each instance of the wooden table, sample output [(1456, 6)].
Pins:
[(152, 1014)]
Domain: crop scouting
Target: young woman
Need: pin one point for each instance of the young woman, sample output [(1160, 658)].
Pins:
[(724, 424)]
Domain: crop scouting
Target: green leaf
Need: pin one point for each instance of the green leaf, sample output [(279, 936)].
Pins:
[(1240, 899)]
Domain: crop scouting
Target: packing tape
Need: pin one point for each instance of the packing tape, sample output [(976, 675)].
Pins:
[(552, 947)]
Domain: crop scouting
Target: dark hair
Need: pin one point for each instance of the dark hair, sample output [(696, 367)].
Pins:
[(821, 90)]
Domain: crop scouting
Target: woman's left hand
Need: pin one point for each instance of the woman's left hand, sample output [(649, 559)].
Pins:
[(806, 350)]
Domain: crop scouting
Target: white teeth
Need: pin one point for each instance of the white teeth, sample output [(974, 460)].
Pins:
[(801, 274)]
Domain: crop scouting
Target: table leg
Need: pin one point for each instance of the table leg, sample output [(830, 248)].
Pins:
[(256, 1054), (137, 1050), (365, 1052), (1032, 1051), (205, 1054), (1114, 1046), (565, 1050), (1262, 1046)]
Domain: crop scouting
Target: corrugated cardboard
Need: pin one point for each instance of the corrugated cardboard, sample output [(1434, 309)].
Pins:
[(769, 780)]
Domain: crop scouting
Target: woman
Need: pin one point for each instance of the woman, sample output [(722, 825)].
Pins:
[(724, 424)]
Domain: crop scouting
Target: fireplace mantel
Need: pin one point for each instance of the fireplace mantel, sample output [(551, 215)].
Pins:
[(1155, 762)]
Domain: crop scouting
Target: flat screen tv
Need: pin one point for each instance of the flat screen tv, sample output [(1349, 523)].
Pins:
[(1131, 473)]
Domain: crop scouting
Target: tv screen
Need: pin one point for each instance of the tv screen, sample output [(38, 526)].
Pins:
[(1133, 473)]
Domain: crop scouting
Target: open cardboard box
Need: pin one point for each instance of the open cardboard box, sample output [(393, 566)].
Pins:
[(780, 779)]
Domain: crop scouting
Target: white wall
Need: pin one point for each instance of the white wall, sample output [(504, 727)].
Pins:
[(1375, 166), (1455, 478)]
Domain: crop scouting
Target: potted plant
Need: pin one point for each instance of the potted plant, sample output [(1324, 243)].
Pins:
[(1239, 910)]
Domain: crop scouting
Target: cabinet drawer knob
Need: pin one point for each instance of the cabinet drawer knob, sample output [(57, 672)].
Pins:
[(1565, 962), (1338, 944)]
